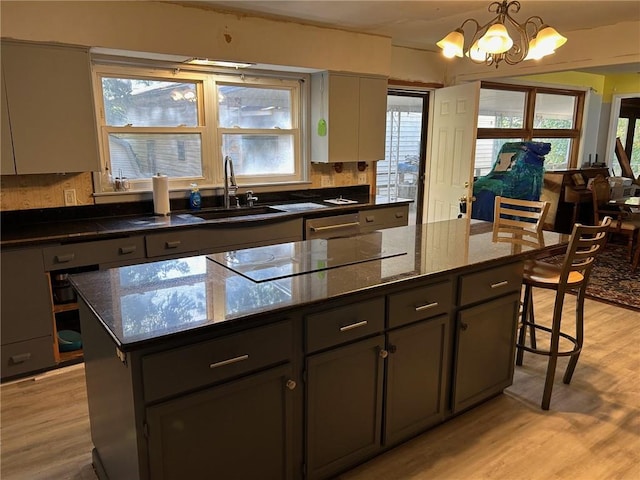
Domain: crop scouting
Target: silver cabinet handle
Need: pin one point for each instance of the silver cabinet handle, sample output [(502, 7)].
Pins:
[(370, 218), (499, 284), (127, 249), (20, 358), (383, 353), (65, 258), (335, 227), (291, 384), (399, 215), (426, 306), (229, 361), (353, 325), (173, 244)]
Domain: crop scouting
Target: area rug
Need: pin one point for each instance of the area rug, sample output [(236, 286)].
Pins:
[(612, 280)]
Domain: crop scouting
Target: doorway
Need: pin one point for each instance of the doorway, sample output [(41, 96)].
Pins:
[(401, 173), (628, 130)]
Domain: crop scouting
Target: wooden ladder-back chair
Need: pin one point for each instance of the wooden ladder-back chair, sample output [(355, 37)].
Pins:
[(519, 222), (586, 242), (623, 223)]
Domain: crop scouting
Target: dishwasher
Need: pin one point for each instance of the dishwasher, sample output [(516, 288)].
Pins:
[(331, 227)]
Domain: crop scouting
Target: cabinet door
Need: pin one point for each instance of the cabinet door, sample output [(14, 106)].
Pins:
[(344, 406), (485, 348), (240, 430), (343, 118), (372, 119), (27, 322), (8, 165), (51, 108), (416, 373)]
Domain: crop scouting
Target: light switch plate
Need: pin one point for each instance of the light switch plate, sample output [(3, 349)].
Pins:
[(362, 178), (70, 198)]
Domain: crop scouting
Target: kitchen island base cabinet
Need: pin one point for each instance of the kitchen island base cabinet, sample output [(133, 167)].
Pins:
[(485, 351), (344, 406), (239, 430)]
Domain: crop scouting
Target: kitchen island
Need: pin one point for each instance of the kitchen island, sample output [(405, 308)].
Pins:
[(298, 360)]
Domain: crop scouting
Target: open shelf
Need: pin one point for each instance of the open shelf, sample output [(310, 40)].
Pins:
[(64, 307)]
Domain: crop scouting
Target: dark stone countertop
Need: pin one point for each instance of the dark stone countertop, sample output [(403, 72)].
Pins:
[(98, 222), (143, 304)]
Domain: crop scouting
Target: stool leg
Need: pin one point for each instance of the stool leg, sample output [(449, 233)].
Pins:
[(573, 360), (532, 321), (553, 349), (523, 325)]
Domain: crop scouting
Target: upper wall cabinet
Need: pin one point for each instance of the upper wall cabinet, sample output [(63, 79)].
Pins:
[(348, 117), (47, 109)]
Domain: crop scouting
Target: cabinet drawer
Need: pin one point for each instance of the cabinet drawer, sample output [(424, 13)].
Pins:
[(187, 368), (93, 253), (420, 303), (172, 243), (491, 283), (344, 324), (29, 356), (383, 218)]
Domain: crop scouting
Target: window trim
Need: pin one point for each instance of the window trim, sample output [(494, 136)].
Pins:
[(528, 133), (208, 129)]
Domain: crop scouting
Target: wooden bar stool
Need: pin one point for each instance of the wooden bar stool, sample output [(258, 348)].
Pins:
[(585, 244)]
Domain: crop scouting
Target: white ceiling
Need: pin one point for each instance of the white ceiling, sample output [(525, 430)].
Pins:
[(420, 24)]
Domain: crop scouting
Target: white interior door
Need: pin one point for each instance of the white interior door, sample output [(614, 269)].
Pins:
[(453, 142)]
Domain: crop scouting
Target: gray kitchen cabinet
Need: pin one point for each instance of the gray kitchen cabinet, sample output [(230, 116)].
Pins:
[(250, 234), (27, 322), (8, 166), (240, 430), (174, 243), (383, 217), (344, 406), (117, 251), (50, 108), (484, 349), (354, 110)]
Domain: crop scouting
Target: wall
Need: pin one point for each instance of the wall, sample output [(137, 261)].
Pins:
[(22, 192)]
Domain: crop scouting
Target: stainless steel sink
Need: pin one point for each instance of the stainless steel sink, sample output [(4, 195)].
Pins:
[(234, 212)]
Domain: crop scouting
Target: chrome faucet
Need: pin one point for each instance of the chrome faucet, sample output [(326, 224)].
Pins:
[(251, 199), (230, 189)]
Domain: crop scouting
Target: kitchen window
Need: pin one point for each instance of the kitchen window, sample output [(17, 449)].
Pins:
[(510, 113), (183, 123)]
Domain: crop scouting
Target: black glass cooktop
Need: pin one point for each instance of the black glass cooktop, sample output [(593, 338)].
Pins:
[(285, 260)]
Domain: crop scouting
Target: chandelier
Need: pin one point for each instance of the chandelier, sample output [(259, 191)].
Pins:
[(503, 38)]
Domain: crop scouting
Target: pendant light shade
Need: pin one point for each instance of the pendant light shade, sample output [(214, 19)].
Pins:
[(549, 39), (496, 40), (452, 44)]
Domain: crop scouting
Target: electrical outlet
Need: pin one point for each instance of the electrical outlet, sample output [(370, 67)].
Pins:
[(70, 197), (362, 178), (326, 181)]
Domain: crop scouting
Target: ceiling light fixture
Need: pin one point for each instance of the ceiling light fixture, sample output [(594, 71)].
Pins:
[(503, 38), (218, 63)]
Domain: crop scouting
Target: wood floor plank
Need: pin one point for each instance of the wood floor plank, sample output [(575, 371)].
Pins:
[(591, 432)]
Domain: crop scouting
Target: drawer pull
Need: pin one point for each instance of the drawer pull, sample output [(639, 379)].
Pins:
[(499, 284), (426, 306), (399, 215), (65, 258), (335, 227), (229, 361), (370, 218), (20, 358), (127, 249), (173, 244), (346, 328), (291, 384)]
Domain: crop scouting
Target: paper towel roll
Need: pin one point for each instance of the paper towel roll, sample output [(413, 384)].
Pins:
[(161, 195)]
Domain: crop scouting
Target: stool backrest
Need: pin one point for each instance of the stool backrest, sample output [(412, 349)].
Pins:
[(585, 244), (519, 222)]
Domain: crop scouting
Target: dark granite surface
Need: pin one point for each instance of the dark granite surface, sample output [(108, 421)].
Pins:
[(145, 303), (72, 224)]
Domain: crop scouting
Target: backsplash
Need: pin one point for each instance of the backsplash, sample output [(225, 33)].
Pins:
[(24, 192)]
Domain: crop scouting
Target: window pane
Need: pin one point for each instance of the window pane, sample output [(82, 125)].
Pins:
[(487, 154), (253, 107), (260, 154), (142, 155), (501, 109), (149, 103), (554, 111), (558, 157), (621, 131)]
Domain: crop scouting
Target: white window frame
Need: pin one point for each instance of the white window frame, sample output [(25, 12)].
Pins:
[(211, 134)]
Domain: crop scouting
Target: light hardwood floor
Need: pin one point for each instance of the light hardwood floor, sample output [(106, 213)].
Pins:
[(591, 432)]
